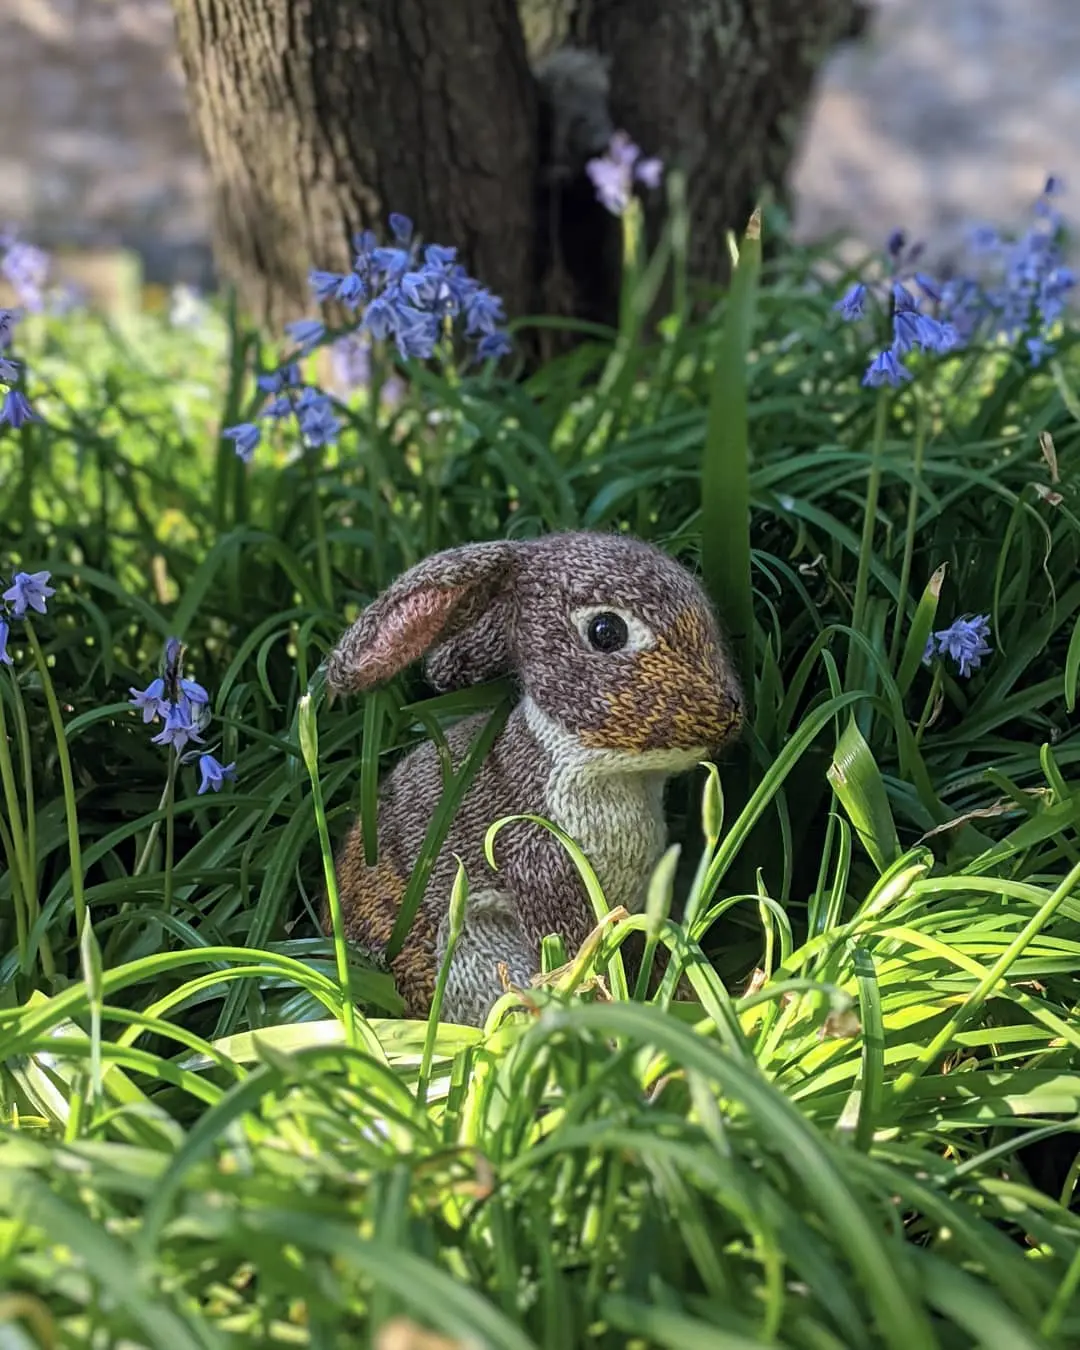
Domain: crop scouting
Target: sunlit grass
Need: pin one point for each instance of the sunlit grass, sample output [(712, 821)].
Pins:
[(218, 1131)]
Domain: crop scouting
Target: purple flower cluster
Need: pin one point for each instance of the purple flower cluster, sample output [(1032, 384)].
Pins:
[(183, 707), (15, 409), (1025, 301), (288, 396), (413, 296), (1030, 285), (402, 294), (913, 329), (614, 173), (28, 590), (26, 269), (964, 642)]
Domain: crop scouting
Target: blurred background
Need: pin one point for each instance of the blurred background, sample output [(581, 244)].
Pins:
[(944, 112)]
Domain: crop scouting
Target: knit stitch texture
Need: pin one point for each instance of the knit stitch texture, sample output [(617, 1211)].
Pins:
[(589, 746)]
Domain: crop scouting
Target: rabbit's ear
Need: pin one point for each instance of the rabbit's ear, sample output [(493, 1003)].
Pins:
[(426, 606), (477, 653)]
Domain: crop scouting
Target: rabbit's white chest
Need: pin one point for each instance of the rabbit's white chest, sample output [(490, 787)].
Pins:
[(619, 823), (615, 812)]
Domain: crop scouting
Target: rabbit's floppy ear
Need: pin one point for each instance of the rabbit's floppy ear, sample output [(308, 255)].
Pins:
[(425, 606), (477, 653)]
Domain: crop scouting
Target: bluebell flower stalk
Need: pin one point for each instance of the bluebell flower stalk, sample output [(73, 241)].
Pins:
[(1021, 306), (964, 642), (182, 706), (415, 297)]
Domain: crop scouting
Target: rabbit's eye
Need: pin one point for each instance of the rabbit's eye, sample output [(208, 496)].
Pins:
[(606, 629), (607, 632)]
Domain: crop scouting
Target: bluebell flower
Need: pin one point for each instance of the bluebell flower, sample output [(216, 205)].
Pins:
[(315, 415), (306, 333), (407, 294), (178, 730), (437, 255), (324, 285), (214, 774), (351, 291), (9, 370), (852, 304), (28, 590), (483, 312), (1038, 349), (390, 263), (416, 333), (401, 227), (493, 346), (16, 409), (419, 288), (5, 656), (886, 369), (179, 702), (8, 319), (273, 382), (245, 437), (1027, 299), (365, 244), (189, 693), (151, 701), (964, 642), (906, 334), (380, 318), (649, 172), (171, 659), (614, 173), (27, 270), (983, 238)]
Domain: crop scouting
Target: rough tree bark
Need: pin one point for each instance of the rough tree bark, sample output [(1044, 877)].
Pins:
[(320, 117), (718, 87)]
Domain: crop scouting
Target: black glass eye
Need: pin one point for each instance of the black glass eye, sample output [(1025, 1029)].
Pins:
[(607, 632)]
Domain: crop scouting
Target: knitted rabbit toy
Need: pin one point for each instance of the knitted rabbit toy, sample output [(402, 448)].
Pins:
[(623, 681)]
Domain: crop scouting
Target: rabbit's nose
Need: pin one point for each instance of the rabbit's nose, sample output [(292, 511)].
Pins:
[(729, 717)]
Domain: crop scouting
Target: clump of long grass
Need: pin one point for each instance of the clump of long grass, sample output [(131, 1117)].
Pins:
[(218, 1130)]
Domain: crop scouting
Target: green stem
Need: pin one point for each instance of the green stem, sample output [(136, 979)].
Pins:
[(1062, 1300), (928, 706), (78, 898), (15, 840), (309, 749), (631, 264), (909, 533), (866, 545), (155, 829), (22, 926), (170, 830), (28, 796)]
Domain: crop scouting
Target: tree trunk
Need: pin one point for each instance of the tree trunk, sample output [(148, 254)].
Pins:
[(320, 117), (719, 88)]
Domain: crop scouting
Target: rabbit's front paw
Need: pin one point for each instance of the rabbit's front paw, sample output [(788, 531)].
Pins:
[(492, 937)]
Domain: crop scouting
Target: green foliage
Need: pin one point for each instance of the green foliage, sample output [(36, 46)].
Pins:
[(219, 1132)]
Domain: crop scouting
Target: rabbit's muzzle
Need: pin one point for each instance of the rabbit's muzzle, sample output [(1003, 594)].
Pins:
[(680, 694)]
